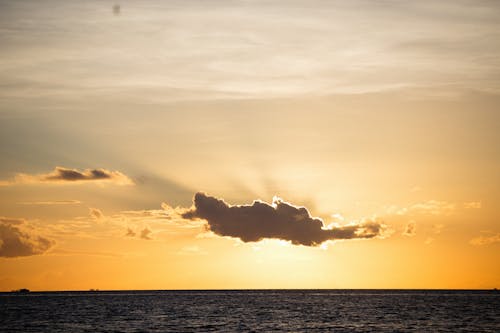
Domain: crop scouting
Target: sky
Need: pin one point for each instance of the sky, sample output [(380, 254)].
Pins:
[(249, 144)]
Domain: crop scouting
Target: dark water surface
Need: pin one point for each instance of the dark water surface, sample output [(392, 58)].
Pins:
[(252, 310)]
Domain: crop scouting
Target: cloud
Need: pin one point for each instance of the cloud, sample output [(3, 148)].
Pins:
[(96, 214), (411, 229), (130, 233), (145, 233), (430, 207), (11, 221), (473, 205), (279, 220), (18, 241), (63, 252), (485, 240), (61, 175), (192, 250), (48, 203), (437, 228)]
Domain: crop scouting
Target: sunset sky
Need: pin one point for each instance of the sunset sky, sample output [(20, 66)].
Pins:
[(249, 144)]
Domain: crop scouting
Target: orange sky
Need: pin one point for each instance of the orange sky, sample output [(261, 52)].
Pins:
[(380, 120)]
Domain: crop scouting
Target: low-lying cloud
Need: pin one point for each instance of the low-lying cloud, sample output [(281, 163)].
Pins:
[(279, 220), (61, 175), (18, 241)]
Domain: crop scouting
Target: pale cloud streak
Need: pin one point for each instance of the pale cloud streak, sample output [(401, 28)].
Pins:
[(51, 203), (430, 207), (488, 239)]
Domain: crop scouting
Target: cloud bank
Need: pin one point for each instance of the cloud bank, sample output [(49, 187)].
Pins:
[(17, 241), (61, 175), (279, 220)]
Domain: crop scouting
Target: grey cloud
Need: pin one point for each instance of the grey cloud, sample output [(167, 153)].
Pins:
[(66, 175), (280, 220), (17, 242)]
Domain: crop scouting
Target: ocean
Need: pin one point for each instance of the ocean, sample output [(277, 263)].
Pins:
[(252, 311)]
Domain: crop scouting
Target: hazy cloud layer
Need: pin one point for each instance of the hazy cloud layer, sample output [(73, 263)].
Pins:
[(65, 175), (223, 49), (17, 241), (279, 220)]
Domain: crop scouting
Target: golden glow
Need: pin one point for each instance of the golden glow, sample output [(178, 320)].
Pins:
[(353, 120)]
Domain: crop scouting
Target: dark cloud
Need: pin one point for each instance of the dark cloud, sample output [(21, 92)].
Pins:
[(280, 220), (65, 175), (16, 241)]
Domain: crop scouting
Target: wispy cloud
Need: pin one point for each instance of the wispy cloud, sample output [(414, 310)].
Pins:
[(50, 203), (430, 207), (206, 58), (473, 205), (61, 175), (64, 252), (486, 239), (192, 250)]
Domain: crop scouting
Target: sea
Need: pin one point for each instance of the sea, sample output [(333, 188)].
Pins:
[(252, 311)]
